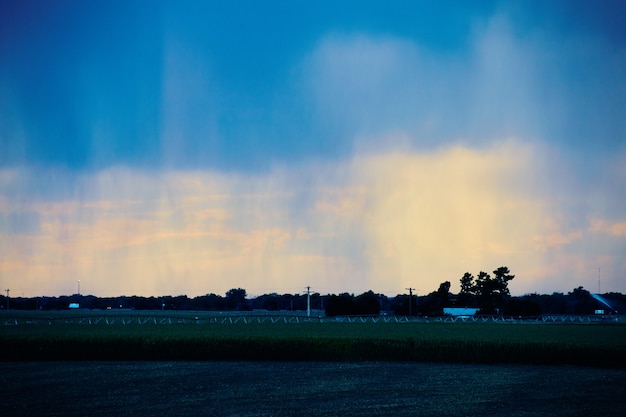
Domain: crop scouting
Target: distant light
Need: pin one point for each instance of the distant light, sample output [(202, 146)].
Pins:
[(74, 305)]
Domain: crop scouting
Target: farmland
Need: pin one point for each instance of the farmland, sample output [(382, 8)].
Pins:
[(162, 337), (307, 389), (142, 363)]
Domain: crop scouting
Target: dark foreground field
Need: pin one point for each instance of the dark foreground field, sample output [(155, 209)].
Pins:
[(307, 389)]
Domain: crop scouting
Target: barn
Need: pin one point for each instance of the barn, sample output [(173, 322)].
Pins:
[(460, 312)]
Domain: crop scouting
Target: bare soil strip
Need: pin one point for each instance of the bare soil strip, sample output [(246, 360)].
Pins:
[(307, 389)]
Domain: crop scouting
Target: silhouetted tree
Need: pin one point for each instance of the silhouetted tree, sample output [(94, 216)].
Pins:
[(236, 299), (433, 303), (484, 289), (468, 290), (442, 296), (617, 301), (502, 276), (580, 302), (151, 303), (556, 303), (211, 301), (268, 302), (367, 303), (340, 305), (400, 305), (492, 292), (444, 291), (346, 304), (522, 306)]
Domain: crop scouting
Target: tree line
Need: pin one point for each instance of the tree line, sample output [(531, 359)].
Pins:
[(487, 293)]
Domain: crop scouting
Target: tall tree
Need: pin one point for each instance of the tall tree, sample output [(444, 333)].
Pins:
[(444, 291), (466, 295), (492, 292), (367, 303), (502, 276), (484, 291), (442, 296), (434, 303), (236, 299)]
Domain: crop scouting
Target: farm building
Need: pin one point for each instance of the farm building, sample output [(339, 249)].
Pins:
[(603, 305), (460, 312)]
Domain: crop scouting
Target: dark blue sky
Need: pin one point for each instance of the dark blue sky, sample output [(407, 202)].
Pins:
[(85, 84)]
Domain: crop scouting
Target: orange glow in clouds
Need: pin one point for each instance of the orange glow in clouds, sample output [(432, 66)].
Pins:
[(381, 221)]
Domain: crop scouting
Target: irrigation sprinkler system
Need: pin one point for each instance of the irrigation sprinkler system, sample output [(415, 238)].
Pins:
[(15, 320)]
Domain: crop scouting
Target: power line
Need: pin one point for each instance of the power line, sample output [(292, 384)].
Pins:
[(410, 300), (308, 301)]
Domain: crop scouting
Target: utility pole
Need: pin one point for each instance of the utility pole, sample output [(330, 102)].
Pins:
[(410, 300), (308, 301), (79, 288), (7, 290), (599, 281)]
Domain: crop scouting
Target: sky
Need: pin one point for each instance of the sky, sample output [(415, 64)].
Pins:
[(189, 147)]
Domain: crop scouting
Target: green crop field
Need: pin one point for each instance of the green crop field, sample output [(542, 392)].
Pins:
[(67, 338), (56, 363)]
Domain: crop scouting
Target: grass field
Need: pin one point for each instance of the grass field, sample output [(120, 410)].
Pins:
[(205, 367), (589, 344), (307, 389)]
